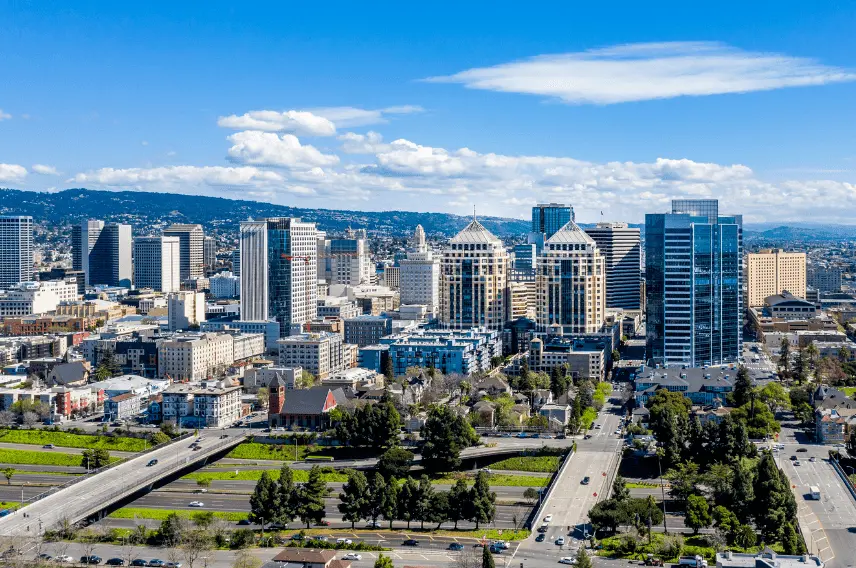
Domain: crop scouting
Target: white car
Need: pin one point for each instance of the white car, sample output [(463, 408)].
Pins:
[(567, 560), (501, 544), (344, 541), (373, 525), (352, 556), (618, 431), (560, 541), (797, 462), (197, 504), (548, 518), (64, 559)]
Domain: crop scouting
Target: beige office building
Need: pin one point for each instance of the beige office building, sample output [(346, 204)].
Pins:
[(773, 271)]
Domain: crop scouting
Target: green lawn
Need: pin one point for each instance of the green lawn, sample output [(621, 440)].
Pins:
[(66, 440), (46, 457), (535, 464), (849, 391), (257, 451), (161, 514), (499, 480), (301, 475)]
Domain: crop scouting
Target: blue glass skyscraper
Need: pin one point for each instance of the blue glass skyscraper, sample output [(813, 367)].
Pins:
[(694, 279), (547, 218)]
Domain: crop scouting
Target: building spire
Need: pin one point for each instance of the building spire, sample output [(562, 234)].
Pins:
[(474, 211)]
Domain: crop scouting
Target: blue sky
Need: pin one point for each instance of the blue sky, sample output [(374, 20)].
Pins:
[(613, 107)]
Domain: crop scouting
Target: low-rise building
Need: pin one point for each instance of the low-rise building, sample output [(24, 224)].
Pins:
[(211, 404), (556, 414), (28, 298), (309, 558), (122, 406), (301, 408), (319, 353), (195, 356), (186, 309), (766, 559), (269, 329), (449, 351), (585, 358), (350, 380), (704, 386), (254, 379)]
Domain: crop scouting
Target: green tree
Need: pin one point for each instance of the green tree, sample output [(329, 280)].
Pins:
[(386, 364), (375, 497), (310, 498), (771, 507), (583, 560), (585, 394), (423, 501), (745, 536), (95, 458), (170, 530), (758, 418), (775, 396), (383, 562), (742, 387), (438, 508), (619, 489), (204, 482), (353, 497), (726, 523), (531, 494), (811, 356), (483, 500), (263, 501), (203, 519), (389, 502), (408, 496), (698, 513), (458, 502), (395, 463), (159, 438), (445, 434), (285, 505), (576, 420), (487, 558), (685, 480), (8, 472), (791, 542), (669, 421), (784, 358), (743, 494)]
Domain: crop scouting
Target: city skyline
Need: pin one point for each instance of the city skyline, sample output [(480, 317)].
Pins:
[(602, 115)]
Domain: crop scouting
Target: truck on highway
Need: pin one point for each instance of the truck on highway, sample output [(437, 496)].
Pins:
[(814, 490), (693, 561)]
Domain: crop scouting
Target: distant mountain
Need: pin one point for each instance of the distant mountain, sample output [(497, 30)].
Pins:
[(799, 232), (143, 209)]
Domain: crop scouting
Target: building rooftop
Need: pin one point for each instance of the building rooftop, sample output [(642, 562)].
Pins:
[(475, 233), (571, 234), (766, 559)]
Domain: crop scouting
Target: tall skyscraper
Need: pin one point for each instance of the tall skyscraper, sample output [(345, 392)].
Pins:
[(773, 271), (191, 238), (209, 253), (83, 239), (109, 260), (419, 275), (474, 280), (525, 258), (621, 248), (547, 218), (157, 264), (279, 272), (345, 260), (571, 283), (694, 285), (16, 250)]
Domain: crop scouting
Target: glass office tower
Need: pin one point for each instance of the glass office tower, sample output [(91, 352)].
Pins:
[(547, 218), (694, 279)]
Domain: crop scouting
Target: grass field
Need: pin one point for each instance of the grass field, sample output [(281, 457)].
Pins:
[(64, 439), (849, 391), (161, 514), (535, 464), (32, 457), (500, 480), (286, 452)]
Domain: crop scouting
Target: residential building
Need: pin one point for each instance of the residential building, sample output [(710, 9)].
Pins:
[(186, 309), (419, 276), (319, 353), (832, 425), (585, 358), (247, 345), (558, 415), (523, 299), (288, 377), (392, 277), (773, 271), (194, 357), (338, 307), (448, 351), (212, 405), (60, 273), (345, 260), (474, 280), (367, 330), (16, 250), (351, 381), (694, 285), (191, 242), (122, 406), (269, 329), (278, 273), (109, 261), (225, 285), (702, 385), (28, 298), (571, 283), (157, 263), (825, 278), (547, 218), (621, 248)]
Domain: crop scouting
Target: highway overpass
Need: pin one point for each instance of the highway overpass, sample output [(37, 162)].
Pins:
[(93, 493)]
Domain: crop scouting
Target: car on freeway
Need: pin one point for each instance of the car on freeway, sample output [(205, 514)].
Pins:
[(567, 560), (115, 562), (618, 432), (91, 559), (486, 470), (373, 525), (456, 546), (48, 447), (151, 463), (352, 556), (157, 563), (197, 504), (45, 557), (411, 542), (501, 544), (201, 490), (297, 536), (173, 565), (64, 559), (540, 537), (139, 562), (597, 426), (802, 449), (587, 437), (244, 523), (548, 518), (560, 541), (521, 435), (322, 524), (344, 541), (586, 480)]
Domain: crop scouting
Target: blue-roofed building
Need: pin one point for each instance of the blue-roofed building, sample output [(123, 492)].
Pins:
[(449, 351), (704, 386)]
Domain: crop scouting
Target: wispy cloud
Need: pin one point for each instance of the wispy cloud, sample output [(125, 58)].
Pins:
[(4, 115), (12, 172), (45, 170), (313, 122), (645, 71)]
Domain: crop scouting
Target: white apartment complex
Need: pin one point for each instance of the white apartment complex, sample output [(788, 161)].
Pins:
[(29, 298), (210, 405), (419, 276), (319, 353), (157, 263), (345, 260), (186, 308), (195, 357), (191, 239)]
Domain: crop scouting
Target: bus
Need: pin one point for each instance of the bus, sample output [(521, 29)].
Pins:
[(815, 492)]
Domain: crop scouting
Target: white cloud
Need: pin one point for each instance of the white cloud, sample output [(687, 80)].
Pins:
[(369, 143), (270, 149), (170, 176), (4, 115), (12, 172), (348, 117), (645, 71), (298, 122), (45, 170)]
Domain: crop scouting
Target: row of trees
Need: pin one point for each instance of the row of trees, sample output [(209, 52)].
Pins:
[(373, 425), (282, 501), (413, 501)]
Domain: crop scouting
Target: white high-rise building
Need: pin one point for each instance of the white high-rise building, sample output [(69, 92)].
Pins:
[(621, 248), (157, 264), (192, 240), (186, 309), (83, 239), (419, 275), (474, 280), (571, 282), (279, 272), (345, 260), (16, 250)]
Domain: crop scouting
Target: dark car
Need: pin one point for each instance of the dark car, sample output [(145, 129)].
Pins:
[(45, 557), (793, 458), (411, 542), (322, 524), (456, 546), (90, 559), (138, 562), (802, 450), (244, 522), (115, 562), (495, 549), (541, 537), (586, 480), (151, 463), (157, 563)]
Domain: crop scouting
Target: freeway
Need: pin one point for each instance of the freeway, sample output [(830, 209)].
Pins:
[(92, 493)]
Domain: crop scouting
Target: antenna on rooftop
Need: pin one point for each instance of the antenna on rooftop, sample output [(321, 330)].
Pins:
[(474, 212)]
